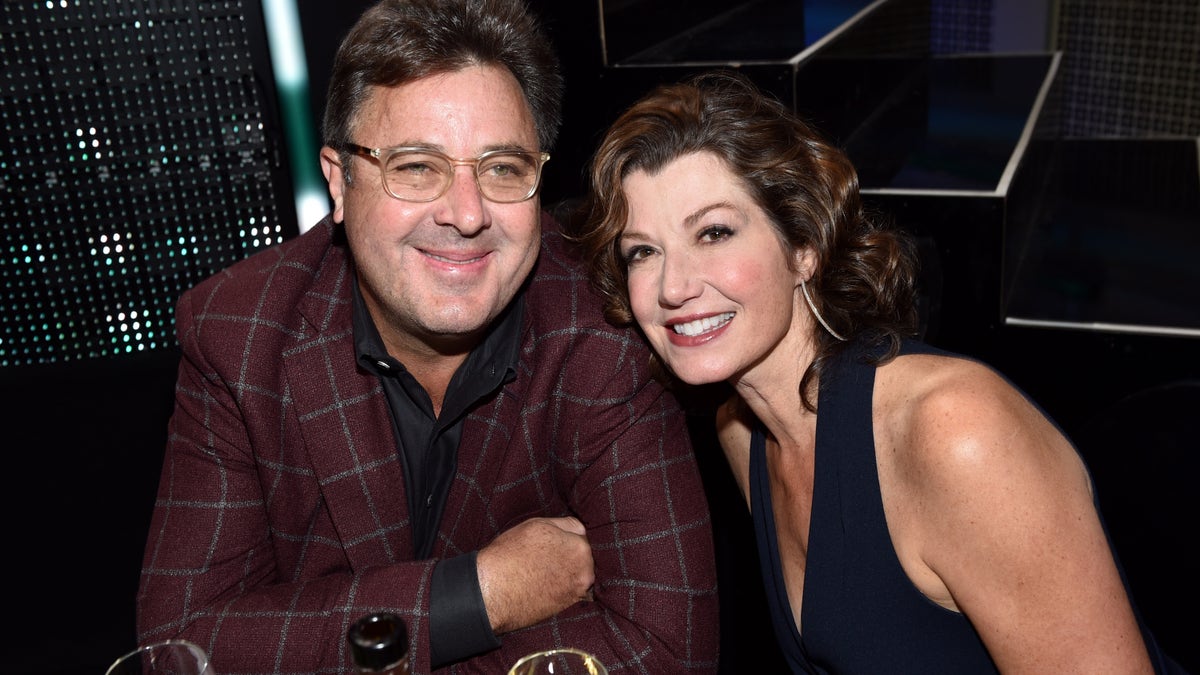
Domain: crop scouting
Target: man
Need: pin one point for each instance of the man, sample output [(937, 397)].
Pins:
[(414, 407)]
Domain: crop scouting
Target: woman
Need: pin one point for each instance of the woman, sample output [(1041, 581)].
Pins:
[(914, 512)]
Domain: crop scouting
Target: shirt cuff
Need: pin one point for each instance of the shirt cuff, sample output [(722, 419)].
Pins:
[(458, 620)]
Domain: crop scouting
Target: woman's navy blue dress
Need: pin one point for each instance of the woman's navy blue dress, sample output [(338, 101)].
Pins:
[(861, 613)]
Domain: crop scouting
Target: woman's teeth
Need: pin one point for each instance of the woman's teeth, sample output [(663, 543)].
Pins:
[(693, 328)]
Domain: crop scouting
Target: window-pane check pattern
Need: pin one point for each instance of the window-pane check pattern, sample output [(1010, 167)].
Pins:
[(281, 516)]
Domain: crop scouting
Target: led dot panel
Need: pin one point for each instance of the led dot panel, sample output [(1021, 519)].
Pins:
[(137, 158)]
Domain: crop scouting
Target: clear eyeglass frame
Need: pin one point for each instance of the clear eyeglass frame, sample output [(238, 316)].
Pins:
[(383, 157)]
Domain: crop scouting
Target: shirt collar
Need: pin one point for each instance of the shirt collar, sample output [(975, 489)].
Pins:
[(492, 362)]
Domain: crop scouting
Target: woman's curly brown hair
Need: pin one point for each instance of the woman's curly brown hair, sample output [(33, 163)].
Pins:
[(863, 283)]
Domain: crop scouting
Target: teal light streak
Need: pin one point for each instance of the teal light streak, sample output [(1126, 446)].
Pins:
[(291, 81)]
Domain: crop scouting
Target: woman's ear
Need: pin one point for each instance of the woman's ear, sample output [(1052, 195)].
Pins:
[(331, 166), (804, 261)]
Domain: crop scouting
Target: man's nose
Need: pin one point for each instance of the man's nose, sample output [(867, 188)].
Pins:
[(463, 204)]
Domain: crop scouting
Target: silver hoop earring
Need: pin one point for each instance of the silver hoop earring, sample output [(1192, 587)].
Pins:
[(813, 308)]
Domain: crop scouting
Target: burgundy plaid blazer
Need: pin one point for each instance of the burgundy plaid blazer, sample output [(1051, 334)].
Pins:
[(281, 514)]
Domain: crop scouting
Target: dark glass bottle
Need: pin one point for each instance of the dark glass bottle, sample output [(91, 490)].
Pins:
[(379, 644)]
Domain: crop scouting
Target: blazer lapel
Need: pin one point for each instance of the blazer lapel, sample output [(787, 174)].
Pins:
[(346, 425)]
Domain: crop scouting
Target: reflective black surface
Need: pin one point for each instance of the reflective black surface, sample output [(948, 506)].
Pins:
[(763, 30), (949, 123), (1117, 243)]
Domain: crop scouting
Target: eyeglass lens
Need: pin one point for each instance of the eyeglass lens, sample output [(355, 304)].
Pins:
[(502, 176)]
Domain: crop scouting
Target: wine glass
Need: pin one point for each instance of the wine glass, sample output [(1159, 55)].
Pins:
[(562, 661), (170, 657)]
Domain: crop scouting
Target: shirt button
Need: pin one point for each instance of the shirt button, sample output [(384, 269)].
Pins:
[(429, 500)]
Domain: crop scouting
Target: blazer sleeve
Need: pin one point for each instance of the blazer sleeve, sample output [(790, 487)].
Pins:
[(622, 460), (240, 557)]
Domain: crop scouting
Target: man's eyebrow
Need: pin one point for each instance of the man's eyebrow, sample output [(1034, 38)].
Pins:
[(436, 147), (511, 147)]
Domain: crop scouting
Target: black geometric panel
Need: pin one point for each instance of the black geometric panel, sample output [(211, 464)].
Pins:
[(140, 153)]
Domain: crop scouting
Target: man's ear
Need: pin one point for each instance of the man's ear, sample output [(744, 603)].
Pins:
[(335, 176)]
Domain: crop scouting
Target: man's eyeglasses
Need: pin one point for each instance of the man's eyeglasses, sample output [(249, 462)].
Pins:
[(422, 175)]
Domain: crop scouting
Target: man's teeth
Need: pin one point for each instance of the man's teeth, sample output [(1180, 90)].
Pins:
[(699, 326), (452, 260)]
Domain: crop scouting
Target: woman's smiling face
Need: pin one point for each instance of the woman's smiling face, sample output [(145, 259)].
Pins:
[(711, 282)]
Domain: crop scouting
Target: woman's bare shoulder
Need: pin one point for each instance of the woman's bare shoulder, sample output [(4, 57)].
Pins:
[(952, 416), (996, 514)]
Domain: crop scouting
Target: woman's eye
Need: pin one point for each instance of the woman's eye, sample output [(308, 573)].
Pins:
[(636, 253), (714, 233)]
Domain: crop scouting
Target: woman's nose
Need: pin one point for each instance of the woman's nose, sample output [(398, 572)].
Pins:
[(680, 280)]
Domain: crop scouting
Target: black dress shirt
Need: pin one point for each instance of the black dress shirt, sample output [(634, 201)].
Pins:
[(428, 447)]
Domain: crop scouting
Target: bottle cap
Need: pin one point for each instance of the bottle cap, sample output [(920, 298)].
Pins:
[(378, 641)]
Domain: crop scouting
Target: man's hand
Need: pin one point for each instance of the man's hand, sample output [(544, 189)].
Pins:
[(534, 570)]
